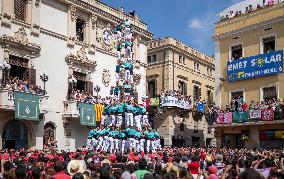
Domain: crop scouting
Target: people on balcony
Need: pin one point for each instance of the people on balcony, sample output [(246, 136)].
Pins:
[(15, 84), (238, 105)]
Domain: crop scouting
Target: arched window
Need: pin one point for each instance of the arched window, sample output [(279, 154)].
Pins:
[(20, 7), (49, 133)]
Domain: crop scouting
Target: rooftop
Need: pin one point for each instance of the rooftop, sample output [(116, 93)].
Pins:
[(169, 41)]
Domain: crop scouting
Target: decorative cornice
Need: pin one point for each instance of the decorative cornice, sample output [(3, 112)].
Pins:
[(81, 58), (153, 76), (182, 77), (20, 39), (210, 87), (196, 82)]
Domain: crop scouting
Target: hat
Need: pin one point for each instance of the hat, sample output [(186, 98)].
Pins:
[(212, 170), (112, 158), (75, 166)]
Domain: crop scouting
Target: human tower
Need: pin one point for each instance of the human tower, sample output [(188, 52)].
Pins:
[(124, 125)]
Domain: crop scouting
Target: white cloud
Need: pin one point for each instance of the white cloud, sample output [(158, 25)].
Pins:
[(195, 24)]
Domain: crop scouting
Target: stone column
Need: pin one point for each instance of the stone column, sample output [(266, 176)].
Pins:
[(71, 29), (35, 24), (92, 33), (29, 8), (7, 13), (169, 71)]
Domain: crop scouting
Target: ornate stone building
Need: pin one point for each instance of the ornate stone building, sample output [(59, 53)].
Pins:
[(66, 39), (173, 65)]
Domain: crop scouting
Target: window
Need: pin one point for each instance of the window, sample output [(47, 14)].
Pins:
[(196, 92), (149, 59), (20, 7), (154, 58), (208, 71), (181, 127), (197, 67), (183, 60), (182, 87), (80, 28), (82, 83), (194, 65), (237, 52), (209, 96), (211, 72), (268, 44), (180, 59), (269, 93), (152, 90)]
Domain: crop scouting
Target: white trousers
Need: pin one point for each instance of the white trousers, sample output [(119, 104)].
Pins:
[(128, 51), (127, 75), (132, 143), (142, 145), (129, 119), (137, 120), (118, 121), (89, 143), (111, 144), (112, 119), (148, 143), (105, 144), (145, 120), (100, 143)]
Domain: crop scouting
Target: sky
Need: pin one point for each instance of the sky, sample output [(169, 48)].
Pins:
[(190, 21)]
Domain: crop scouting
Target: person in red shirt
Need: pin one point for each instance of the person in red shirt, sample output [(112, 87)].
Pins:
[(60, 174), (194, 165)]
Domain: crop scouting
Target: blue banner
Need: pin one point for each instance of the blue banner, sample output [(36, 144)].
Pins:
[(255, 66)]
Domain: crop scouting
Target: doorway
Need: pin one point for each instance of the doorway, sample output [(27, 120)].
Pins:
[(15, 135), (49, 133)]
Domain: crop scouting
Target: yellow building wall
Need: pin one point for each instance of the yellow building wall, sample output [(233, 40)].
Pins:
[(251, 46)]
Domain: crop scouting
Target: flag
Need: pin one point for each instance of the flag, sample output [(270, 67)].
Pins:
[(267, 114), (99, 109), (154, 102), (26, 106), (200, 107), (255, 114), (224, 118), (87, 114), (239, 117)]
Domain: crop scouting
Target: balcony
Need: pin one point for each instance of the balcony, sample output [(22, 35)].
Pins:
[(7, 102), (71, 109)]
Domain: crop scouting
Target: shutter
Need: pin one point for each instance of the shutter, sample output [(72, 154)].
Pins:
[(185, 89), (199, 92), (194, 93), (30, 75), (89, 87), (211, 97)]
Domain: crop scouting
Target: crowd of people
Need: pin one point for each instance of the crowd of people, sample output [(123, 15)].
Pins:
[(166, 163), (249, 9), (16, 84), (239, 105)]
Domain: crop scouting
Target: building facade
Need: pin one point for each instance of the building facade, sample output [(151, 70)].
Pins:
[(65, 39), (174, 66), (252, 34)]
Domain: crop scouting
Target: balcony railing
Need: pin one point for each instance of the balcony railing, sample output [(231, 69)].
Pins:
[(71, 109), (7, 102)]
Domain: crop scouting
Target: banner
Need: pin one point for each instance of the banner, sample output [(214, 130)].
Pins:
[(99, 109), (171, 101), (239, 117), (255, 114), (266, 135), (225, 118), (255, 66), (87, 114), (279, 134), (154, 102), (267, 114), (26, 106)]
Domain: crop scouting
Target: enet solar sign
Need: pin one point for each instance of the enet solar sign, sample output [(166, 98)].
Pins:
[(255, 66)]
